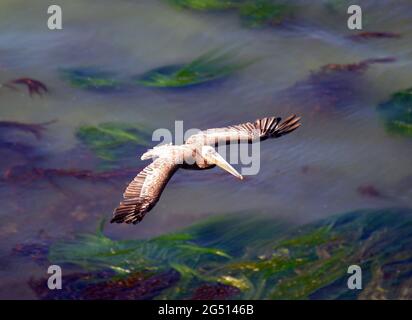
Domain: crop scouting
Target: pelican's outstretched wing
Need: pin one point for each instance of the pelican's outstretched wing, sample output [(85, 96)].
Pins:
[(259, 130), (144, 191)]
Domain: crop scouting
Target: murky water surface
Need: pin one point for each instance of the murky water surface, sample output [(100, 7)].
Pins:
[(329, 165)]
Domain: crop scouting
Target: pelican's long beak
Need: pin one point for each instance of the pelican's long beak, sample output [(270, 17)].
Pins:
[(219, 161)]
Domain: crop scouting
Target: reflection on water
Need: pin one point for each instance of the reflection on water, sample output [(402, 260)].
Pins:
[(342, 158)]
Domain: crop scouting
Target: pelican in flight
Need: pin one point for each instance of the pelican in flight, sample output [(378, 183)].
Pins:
[(197, 153)]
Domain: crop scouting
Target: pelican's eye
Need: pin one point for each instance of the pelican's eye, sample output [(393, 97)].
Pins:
[(210, 151), (206, 151)]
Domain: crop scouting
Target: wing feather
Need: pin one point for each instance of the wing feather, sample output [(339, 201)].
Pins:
[(260, 130), (144, 191)]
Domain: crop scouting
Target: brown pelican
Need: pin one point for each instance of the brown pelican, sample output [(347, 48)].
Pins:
[(197, 153)]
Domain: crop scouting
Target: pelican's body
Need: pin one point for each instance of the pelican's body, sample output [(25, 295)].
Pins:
[(197, 153), (189, 156)]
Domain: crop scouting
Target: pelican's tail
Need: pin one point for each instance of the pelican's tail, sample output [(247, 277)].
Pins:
[(287, 126)]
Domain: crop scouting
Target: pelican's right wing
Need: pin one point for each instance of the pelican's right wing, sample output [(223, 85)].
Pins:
[(144, 191), (249, 132)]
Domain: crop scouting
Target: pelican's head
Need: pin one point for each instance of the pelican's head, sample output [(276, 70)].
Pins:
[(212, 157)]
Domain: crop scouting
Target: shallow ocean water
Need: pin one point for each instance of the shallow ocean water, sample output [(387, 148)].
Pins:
[(313, 173)]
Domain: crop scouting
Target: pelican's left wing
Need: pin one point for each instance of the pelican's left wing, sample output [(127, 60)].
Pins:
[(144, 191), (249, 132)]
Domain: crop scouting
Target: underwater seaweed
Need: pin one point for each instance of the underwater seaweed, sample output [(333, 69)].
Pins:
[(253, 13), (20, 148), (23, 173), (216, 291), (366, 35), (84, 286), (10, 141), (36, 129), (91, 78), (205, 5), (397, 113), (336, 6), (259, 13), (361, 66), (33, 86), (333, 85), (35, 251), (96, 251), (110, 141), (306, 262), (369, 191), (206, 68)]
